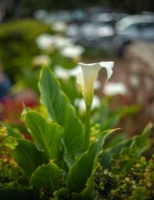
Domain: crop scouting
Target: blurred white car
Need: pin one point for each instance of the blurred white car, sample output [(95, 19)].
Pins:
[(132, 29)]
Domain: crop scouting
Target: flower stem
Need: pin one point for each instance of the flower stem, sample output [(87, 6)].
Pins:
[(87, 128), (86, 144)]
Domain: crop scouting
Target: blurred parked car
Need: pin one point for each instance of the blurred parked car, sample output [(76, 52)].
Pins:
[(132, 29), (108, 18), (96, 34), (99, 30)]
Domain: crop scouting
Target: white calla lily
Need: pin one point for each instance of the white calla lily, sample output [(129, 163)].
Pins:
[(87, 76)]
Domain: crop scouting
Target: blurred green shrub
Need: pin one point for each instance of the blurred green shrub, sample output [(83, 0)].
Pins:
[(17, 44)]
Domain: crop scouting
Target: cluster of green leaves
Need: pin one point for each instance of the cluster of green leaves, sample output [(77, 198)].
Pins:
[(54, 162)]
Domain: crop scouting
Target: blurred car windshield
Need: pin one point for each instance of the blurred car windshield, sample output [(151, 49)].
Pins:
[(133, 22)]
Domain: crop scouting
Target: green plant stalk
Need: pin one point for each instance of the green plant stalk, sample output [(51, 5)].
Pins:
[(87, 141), (87, 128)]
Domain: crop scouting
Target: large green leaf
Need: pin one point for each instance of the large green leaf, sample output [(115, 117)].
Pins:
[(83, 169), (60, 110), (15, 193), (46, 176), (28, 157), (46, 134)]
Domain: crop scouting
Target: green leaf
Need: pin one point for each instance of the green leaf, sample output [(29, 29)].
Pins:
[(87, 192), (46, 134), (46, 176), (61, 193), (139, 140), (28, 157), (13, 132), (83, 169), (140, 191), (60, 110), (15, 193)]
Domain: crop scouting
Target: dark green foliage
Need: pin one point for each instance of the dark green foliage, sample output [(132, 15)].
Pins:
[(17, 193), (17, 44), (122, 155), (137, 184), (10, 173)]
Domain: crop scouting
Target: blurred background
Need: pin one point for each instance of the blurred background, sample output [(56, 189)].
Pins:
[(63, 33)]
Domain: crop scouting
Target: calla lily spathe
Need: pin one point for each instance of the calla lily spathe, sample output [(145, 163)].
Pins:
[(87, 76)]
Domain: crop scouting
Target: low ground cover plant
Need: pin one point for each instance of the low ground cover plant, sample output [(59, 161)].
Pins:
[(65, 159)]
